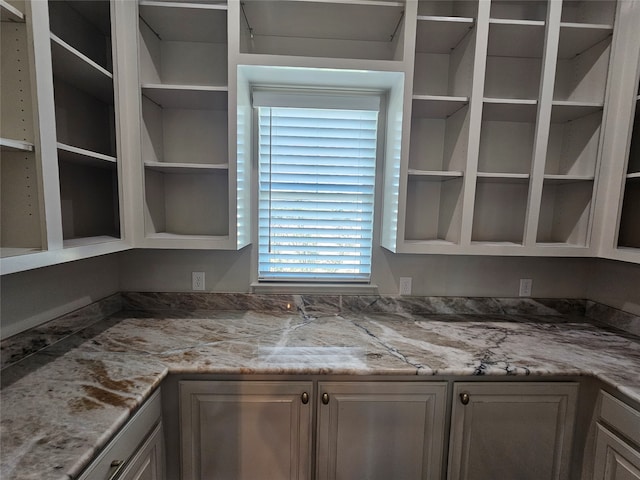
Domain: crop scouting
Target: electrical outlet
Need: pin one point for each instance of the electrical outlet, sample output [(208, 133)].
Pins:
[(197, 280), (405, 285), (526, 285)]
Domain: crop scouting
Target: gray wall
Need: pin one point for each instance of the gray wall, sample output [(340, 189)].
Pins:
[(616, 284), (36, 296), (33, 297), (437, 275)]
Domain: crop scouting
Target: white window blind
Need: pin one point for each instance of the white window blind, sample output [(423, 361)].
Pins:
[(317, 176)]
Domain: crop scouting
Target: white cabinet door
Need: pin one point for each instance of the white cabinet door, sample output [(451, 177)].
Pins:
[(614, 459), (511, 431), (148, 463), (380, 430), (245, 430)]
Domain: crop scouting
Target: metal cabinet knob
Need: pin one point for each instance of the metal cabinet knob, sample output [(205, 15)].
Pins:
[(305, 398), (325, 398), (115, 469), (464, 398)]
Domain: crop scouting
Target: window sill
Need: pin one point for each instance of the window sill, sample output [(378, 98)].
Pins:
[(331, 288)]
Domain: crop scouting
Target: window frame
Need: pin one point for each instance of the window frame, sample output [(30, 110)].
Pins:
[(301, 283)]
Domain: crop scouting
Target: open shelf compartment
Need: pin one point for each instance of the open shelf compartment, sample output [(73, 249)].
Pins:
[(174, 133), (589, 11), (441, 34), (500, 211), (434, 209), (633, 166), (439, 143), (448, 8), (583, 63), (74, 68), (573, 144), (16, 112), (84, 121), (183, 44), (525, 10), (186, 204), (445, 66), (21, 229), (323, 29), (89, 199), (629, 233), (507, 135), (85, 26), (565, 212), (514, 60), (19, 204)]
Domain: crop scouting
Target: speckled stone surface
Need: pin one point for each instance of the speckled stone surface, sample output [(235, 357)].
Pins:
[(612, 317), (19, 346), (60, 405)]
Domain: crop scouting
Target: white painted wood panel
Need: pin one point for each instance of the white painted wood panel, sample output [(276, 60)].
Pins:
[(614, 458), (512, 430), (245, 430), (380, 430)]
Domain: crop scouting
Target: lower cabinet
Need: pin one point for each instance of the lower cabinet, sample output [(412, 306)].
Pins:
[(511, 430), (615, 458), (245, 430), (373, 430), (380, 430), (617, 450), (137, 451), (148, 462)]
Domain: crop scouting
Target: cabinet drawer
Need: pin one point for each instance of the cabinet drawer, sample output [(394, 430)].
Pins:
[(620, 417), (127, 441)]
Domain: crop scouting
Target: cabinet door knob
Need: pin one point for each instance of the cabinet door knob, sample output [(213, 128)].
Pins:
[(464, 398), (325, 398), (305, 398), (115, 469)]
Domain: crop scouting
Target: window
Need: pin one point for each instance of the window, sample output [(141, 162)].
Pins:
[(316, 190)]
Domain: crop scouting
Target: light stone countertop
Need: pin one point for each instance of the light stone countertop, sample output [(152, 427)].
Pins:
[(61, 405)]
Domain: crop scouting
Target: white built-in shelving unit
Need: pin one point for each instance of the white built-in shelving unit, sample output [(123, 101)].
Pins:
[(183, 74), (513, 71), (61, 170), (629, 232), (21, 193), (129, 124), (443, 73), (582, 68), (617, 200), (85, 113), (507, 111)]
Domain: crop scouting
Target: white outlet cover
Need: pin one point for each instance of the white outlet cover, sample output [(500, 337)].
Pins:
[(197, 281), (405, 285), (526, 286)]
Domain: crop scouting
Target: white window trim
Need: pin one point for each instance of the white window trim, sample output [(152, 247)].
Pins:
[(300, 97)]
